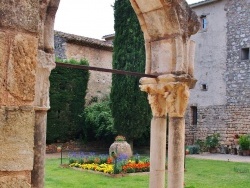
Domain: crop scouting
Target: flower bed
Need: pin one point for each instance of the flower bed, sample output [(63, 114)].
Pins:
[(107, 164), (105, 168), (133, 167)]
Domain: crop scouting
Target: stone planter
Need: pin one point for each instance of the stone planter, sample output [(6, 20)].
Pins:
[(120, 147)]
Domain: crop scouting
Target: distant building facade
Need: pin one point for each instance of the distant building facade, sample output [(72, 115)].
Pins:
[(97, 52), (220, 101)]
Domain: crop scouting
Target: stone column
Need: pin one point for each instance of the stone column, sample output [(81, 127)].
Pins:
[(158, 152), (167, 94), (46, 62), (176, 149), (37, 180), (167, 27), (18, 60)]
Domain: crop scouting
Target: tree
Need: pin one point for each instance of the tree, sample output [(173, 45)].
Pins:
[(67, 98), (130, 108)]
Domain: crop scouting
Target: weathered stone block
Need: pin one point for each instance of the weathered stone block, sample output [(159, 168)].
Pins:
[(22, 68), (46, 62), (16, 138), (20, 14), (3, 54), (13, 182), (162, 57)]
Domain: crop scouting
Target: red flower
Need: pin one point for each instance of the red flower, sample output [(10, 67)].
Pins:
[(139, 167), (109, 160)]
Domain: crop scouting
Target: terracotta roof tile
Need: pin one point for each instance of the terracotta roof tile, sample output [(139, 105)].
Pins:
[(81, 40)]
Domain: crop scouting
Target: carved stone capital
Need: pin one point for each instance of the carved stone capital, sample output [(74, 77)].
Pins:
[(168, 94)]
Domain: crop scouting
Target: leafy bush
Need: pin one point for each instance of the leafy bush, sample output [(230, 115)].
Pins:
[(244, 142), (194, 149), (212, 141), (201, 145), (99, 122)]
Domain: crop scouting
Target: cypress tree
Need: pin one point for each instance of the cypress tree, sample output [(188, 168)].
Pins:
[(129, 105), (67, 99)]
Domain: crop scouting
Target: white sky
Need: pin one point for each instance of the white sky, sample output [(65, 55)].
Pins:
[(89, 18)]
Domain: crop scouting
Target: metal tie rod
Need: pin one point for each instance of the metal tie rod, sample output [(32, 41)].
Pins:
[(115, 71)]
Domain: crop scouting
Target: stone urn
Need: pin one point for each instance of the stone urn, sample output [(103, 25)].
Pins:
[(120, 147)]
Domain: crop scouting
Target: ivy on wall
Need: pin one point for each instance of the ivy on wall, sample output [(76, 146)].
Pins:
[(67, 99)]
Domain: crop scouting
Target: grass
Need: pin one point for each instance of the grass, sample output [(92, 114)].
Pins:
[(216, 174), (199, 173), (64, 178)]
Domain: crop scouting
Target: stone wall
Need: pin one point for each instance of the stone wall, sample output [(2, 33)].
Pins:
[(210, 120), (97, 52), (17, 142), (210, 56), (18, 60), (238, 120), (228, 121), (238, 37), (230, 114)]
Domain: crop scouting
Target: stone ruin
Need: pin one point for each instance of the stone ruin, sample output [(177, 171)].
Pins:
[(167, 26), (27, 58)]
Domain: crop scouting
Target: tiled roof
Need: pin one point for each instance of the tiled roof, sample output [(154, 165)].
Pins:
[(76, 39), (108, 36)]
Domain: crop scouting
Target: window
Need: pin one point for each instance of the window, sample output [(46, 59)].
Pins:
[(245, 54), (204, 87), (194, 115), (204, 22)]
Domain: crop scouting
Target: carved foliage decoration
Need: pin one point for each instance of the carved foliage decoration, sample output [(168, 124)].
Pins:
[(167, 97)]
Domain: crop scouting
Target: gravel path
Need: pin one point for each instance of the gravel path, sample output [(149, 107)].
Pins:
[(56, 155), (221, 157)]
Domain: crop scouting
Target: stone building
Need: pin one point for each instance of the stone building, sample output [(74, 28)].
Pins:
[(220, 102), (97, 52)]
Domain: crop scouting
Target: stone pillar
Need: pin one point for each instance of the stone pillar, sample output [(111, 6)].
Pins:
[(18, 60), (167, 27), (37, 174), (26, 59), (176, 150), (157, 153), (46, 62), (167, 94)]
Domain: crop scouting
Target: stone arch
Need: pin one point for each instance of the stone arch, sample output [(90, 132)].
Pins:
[(167, 26), (27, 58)]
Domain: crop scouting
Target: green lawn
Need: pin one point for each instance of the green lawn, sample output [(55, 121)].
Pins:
[(199, 174)]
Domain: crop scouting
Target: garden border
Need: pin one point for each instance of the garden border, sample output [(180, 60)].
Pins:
[(107, 174)]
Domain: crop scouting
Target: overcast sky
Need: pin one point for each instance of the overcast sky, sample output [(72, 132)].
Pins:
[(89, 18)]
